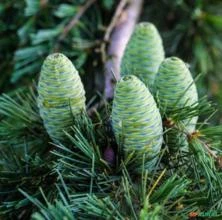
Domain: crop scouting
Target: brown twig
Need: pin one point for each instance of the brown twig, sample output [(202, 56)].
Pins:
[(111, 26), (197, 134), (95, 107), (74, 21), (213, 154), (122, 26), (43, 3), (209, 151)]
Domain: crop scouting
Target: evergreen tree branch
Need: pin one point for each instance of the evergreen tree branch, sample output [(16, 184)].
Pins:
[(74, 21)]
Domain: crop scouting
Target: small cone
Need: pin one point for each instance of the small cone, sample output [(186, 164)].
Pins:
[(143, 54), (61, 95), (136, 119), (176, 89)]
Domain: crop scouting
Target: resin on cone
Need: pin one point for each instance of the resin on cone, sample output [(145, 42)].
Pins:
[(143, 54), (61, 95), (176, 89), (136, 119)]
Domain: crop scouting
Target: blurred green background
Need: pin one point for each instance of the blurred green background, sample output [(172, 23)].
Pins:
[(31, 29)]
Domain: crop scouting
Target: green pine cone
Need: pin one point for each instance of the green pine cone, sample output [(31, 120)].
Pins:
[(143, 54), (136, 119), (61, 95), (176, 89)]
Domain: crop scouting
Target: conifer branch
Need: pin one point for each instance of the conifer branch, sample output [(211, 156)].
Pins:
[(74, 21)]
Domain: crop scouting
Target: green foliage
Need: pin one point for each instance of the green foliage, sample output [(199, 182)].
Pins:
[(20, 118), (175, 130), (32, 7), (55, 211), (79, 183), (52, 211), (81, 162), (35, 30), (42, 36), (107, 4), (23, 146), (8, 38), (187, 23)]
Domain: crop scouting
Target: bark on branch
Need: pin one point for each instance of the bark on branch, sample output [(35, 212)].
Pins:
[(122, 30)]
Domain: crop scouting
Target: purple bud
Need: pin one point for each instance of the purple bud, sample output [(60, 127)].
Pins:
[(109, 155)]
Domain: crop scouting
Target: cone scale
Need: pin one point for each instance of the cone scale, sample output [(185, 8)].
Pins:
[(61, 95), (136, 119), (176, 89), (143, 54)]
